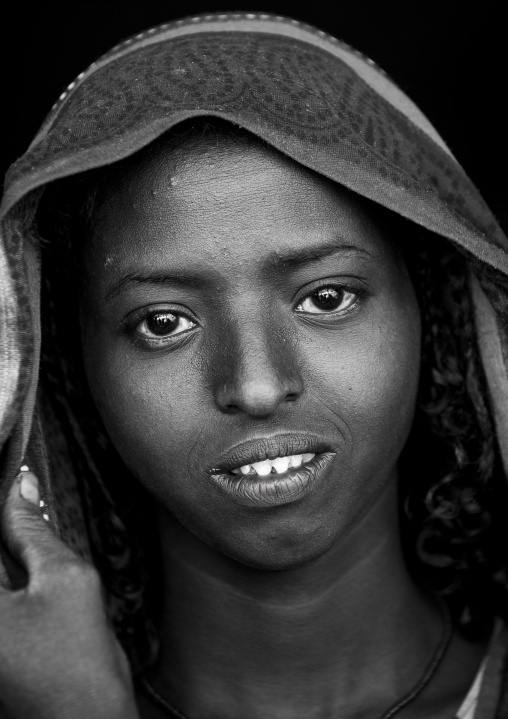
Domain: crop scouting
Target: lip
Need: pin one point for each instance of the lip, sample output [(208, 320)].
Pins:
[(279, 445), (273, 489)]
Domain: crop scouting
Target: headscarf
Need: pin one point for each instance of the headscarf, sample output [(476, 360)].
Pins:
[(310, 96)]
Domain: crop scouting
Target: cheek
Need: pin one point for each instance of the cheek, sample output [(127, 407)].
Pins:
[(390, 386), (389, 373), (367, 379), (150, 411)]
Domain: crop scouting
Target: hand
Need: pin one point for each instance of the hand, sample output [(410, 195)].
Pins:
[(58, 657)]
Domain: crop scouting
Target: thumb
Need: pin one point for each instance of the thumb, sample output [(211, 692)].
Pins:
[(27, 534)]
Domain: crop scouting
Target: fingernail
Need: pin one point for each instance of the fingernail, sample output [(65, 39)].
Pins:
[(29, 488)]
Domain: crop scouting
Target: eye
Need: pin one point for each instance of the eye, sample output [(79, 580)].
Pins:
[(328, 299), (162, 324)]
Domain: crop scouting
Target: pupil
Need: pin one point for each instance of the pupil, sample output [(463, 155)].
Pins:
[(162, 324), (327, 298)]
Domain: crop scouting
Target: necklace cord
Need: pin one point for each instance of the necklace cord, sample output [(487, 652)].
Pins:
[(428, 674), (433, 665)]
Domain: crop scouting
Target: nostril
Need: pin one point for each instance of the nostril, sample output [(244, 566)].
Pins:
[(230, 408)]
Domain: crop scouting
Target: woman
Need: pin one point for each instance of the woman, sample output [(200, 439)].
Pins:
[(272, 322)]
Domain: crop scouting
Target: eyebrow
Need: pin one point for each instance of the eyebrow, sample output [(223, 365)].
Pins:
[(277, 260), (155, 278), (296, 258)]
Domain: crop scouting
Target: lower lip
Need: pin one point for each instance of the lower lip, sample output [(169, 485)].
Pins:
[(274, 489)]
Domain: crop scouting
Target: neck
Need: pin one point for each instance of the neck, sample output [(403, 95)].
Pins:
[(311, 638)]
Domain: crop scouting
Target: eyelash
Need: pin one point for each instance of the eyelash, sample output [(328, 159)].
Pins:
[(145, 340), (355, 296)]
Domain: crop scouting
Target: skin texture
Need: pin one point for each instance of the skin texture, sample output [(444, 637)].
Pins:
[(252, 366), (289, 605)]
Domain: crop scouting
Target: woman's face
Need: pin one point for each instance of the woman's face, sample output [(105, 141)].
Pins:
[(240, 308)]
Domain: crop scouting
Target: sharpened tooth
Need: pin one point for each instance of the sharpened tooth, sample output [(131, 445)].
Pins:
[(262, 468), (281, 464)]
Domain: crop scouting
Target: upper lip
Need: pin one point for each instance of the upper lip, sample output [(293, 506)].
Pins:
[(280, 445)]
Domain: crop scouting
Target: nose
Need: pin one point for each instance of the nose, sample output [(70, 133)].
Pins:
[(257, 373)]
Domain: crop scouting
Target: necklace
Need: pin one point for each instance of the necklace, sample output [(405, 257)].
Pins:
[(427, 675)]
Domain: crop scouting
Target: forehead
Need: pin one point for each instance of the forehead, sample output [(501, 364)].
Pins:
[(229, 189)]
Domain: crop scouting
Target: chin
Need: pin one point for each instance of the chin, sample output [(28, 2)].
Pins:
[(275, 554)]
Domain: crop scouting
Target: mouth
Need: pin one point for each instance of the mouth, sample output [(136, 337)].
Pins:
[(272, 471)]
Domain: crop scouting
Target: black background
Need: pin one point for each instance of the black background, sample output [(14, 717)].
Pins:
[(450, 57)]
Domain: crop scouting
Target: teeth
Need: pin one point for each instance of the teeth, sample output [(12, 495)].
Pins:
[(279, 465), (262, 468), (296, 460)]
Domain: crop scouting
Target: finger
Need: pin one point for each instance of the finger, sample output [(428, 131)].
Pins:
[(13, 574), (28, 537)]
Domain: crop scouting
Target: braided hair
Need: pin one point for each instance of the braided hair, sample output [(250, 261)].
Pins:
[(452, 488), (453, 495)]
